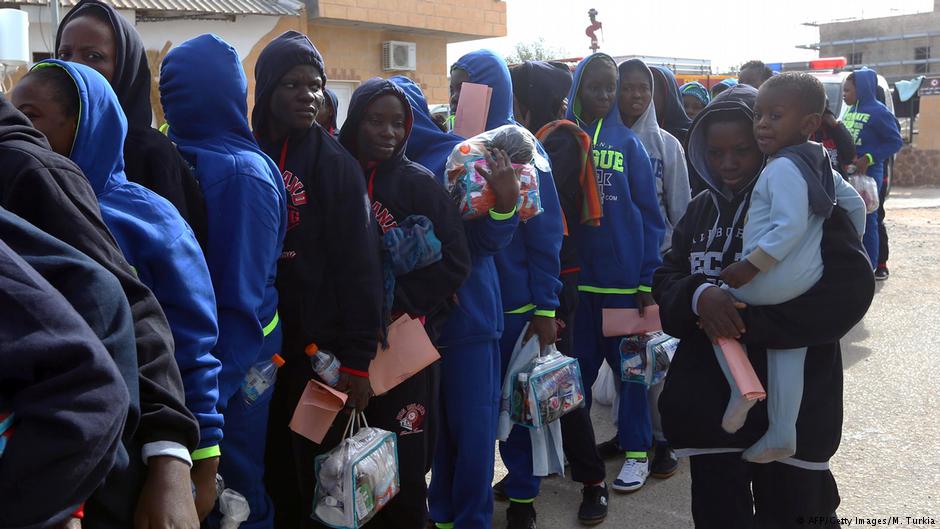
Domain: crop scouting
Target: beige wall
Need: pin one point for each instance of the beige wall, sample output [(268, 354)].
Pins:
[(355, 54), (459, 19)]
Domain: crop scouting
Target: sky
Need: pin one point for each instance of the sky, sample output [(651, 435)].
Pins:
[(729, 32)]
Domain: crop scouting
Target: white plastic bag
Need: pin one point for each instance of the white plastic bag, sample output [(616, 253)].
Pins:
[(867, 188), (357, 478), (604, 389)]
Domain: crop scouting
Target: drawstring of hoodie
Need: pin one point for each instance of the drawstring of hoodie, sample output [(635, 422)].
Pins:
[(729, 238)]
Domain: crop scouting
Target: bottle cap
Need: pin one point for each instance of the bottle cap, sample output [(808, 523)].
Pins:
[(278, 361), (311, 350)]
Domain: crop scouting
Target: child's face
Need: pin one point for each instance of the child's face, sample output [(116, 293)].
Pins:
[(37, 100), (732, 153), (780, 120), (297, 98), (457, 78), (693, 106), (598, 90), (635, 94), (849, 95), (325, 114), (382, 129), (89, 41)]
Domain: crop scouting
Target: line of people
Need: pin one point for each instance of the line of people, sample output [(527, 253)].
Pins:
[(183, 260)]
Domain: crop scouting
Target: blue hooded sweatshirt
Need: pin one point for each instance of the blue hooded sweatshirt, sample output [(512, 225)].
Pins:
[(619, 256), (203, 90), (477, 317), (872, 125), (155, 240), (529, 268)]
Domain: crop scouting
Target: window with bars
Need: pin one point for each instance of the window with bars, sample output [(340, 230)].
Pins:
[(855, 58), (922, 53)]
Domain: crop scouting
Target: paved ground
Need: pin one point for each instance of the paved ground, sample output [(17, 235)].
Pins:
[(889, 461)]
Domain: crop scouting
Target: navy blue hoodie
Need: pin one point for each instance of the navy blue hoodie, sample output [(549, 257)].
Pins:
[(871, 123), (529, 267), (67, 396), (155, 240), (674, 119), (478, 314), (399, 188), (620, 256), (329, 275), (204, 94)]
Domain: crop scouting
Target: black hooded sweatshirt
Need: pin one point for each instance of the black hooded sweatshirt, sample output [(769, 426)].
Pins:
[(95, 294), (66, 395), (399, 188), (50, 192), (329, 277), (707, 239), (150, 158)]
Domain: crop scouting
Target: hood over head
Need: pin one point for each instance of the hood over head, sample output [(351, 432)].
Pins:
[(725, 84), (574, 99), (283, 53), (812, 160), (866, 82), (334, 104), (131, 80), (362, 97), (541, 87), (646, 127), (16, 126), (98, 148), (675, 120), (487, 68), (738, 99), (696, 90), (204, 93), (428, 145)]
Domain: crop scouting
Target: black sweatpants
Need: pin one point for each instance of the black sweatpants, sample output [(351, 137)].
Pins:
[(577, 431), (730, 493), (407, 411), (882, 229)]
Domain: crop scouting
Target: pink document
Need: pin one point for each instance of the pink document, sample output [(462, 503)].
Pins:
[(316, 410), (741, 370), (626, 322), (409, 351), (473, 108)]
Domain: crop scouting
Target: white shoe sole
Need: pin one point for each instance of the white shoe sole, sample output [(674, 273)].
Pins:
[(627, 488)]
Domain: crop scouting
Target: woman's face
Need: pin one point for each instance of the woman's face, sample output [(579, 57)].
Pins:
[(693, 105), (89, 41), (849, 94), (38, 101)]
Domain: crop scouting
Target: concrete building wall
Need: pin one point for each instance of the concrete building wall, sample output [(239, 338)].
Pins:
[(457, 19)]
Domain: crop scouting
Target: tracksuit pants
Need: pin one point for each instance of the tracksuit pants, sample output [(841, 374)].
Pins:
[(462, 473), (872, 237), (516, 451)]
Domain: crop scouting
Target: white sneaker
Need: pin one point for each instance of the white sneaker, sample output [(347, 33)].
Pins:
[(632, 475)]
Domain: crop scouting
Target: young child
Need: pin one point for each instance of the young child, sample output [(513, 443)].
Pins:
[(877, 138), (794, 194), (617, 258), (93, 33), (153, 237), (728, 491), (694, 98), (204, 94), (460, 493), (326, 116), (754, 73), (672, 189), (376, 134)]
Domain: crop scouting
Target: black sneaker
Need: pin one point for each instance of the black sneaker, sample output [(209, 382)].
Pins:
[(520, 516), (664, 463), (499, 490), (593, 509), (610, 449), (881, 273)]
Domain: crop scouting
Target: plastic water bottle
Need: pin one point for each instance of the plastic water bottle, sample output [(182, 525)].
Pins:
[(324, 363), (260, 378), (234, 509)]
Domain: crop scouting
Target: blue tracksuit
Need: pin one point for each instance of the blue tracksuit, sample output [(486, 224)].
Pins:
[(875, 131), (155, 240), (204, 92), (618, 257), (528, 268), (462, 472)]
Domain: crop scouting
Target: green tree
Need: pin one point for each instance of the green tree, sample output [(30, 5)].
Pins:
[(536, 50)]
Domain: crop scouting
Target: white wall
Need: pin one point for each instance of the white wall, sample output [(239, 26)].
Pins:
[(41, 34)]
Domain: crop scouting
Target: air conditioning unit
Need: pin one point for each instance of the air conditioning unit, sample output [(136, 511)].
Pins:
[(397, 55)]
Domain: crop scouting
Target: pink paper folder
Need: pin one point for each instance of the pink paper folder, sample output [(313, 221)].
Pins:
[(741, 370), (625, 322), (409, 351), (316, 410), (473, 107)]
